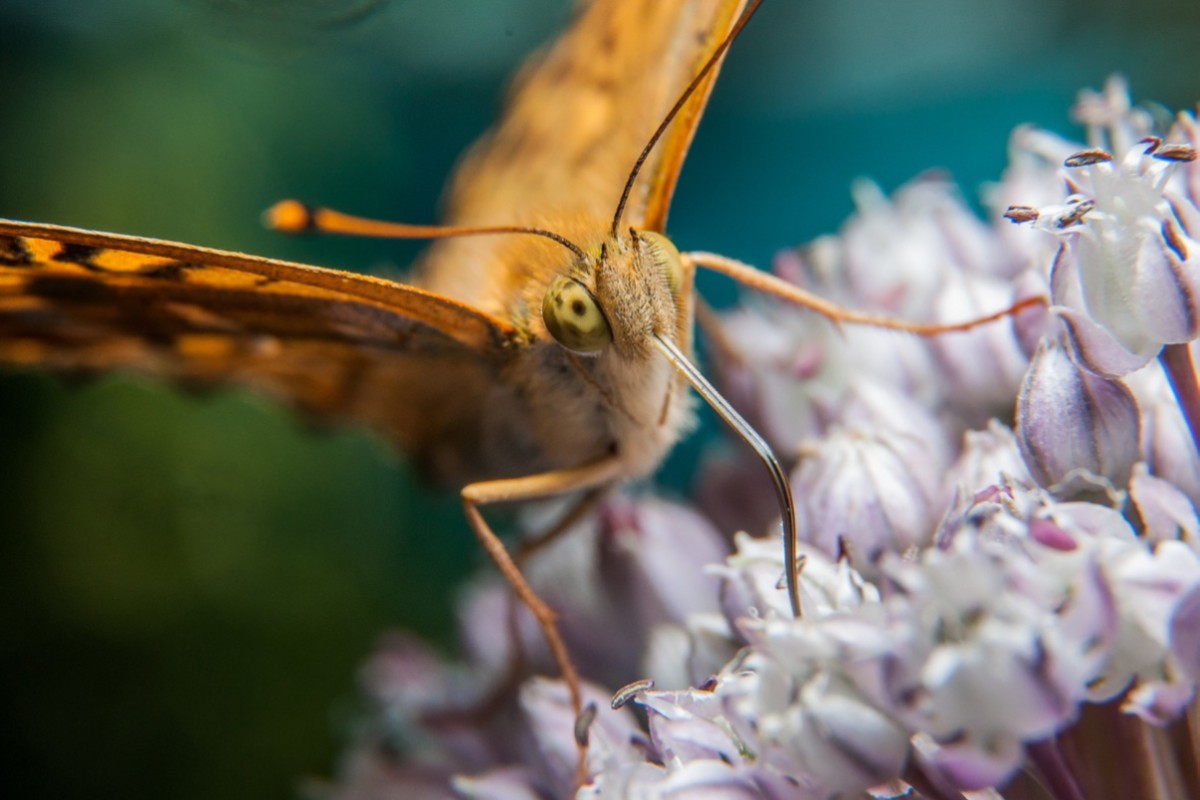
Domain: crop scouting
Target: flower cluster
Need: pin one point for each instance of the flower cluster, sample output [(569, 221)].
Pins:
[(1000, 569)]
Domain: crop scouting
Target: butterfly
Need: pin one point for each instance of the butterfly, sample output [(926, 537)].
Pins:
[(460, 369), (519, 365)]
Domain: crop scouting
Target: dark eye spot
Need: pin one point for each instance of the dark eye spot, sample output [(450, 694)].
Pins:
[(579, 308)]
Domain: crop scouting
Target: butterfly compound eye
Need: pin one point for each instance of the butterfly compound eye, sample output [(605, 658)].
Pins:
[(574, 318), (666, 257)]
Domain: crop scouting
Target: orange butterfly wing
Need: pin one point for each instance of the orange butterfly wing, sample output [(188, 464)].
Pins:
[(411, 363), (577, 117), (333, 343)]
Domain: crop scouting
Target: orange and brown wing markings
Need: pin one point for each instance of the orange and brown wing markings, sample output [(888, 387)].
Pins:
[(158, 266), (14, 253), (337, 345), (158, 308)]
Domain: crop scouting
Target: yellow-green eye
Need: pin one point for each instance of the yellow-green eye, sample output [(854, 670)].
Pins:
[(666, 257), (573, 317)]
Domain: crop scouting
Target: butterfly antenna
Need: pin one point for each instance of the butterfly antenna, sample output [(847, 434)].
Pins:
[(783, 488), (708, 67), (292, 216)]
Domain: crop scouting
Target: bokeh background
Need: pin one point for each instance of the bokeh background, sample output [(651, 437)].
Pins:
[(189, 582)]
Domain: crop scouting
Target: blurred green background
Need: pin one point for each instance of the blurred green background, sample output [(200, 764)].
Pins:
[(189, 583)]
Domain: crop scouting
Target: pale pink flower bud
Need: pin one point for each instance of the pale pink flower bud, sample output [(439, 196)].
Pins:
[(864, 492), (988, 458), (1077, 431), (1127, 280), (1165, 510), (548, 745)]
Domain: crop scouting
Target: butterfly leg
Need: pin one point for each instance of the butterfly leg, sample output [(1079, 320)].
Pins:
[(513, 673), (547, 484), (579, 509)]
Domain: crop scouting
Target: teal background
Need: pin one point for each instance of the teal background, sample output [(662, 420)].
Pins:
[(188, 583)]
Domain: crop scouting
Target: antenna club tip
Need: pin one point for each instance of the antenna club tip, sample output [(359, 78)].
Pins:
[(288, 216)]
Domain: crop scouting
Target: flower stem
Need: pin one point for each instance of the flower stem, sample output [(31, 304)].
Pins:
[(1162, 764), (1176, 360), (1055, 771)]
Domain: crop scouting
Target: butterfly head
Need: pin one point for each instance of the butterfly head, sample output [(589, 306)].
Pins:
[(620, 296)]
